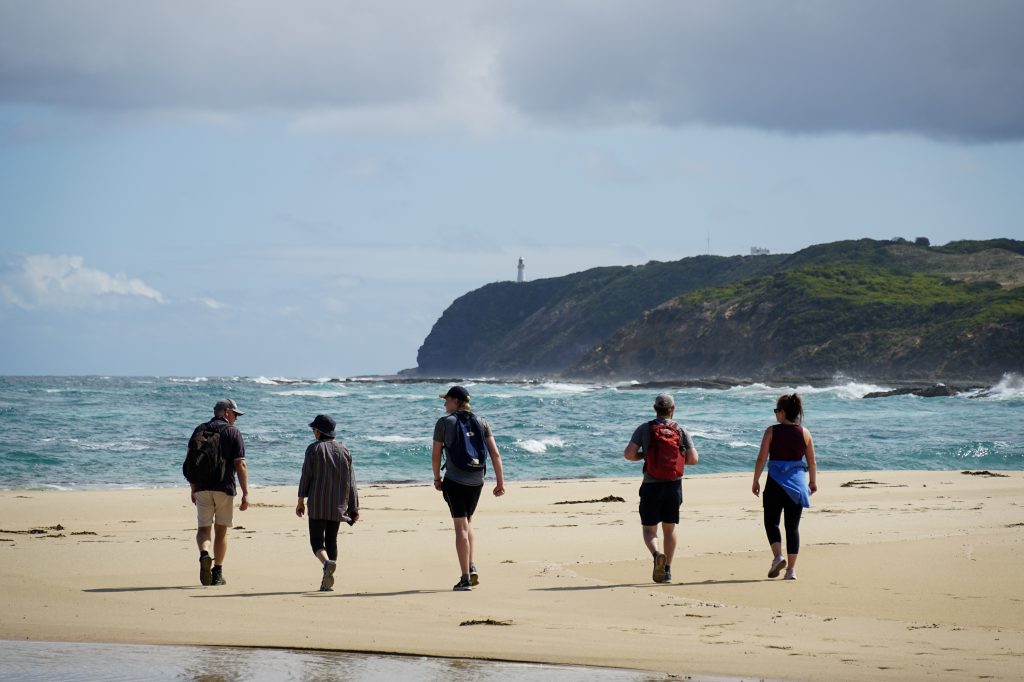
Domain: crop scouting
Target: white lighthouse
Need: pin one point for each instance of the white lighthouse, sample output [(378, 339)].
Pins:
[(522, 269)]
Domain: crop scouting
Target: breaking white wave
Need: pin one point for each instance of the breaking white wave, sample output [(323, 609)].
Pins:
[(540, 446), (567, 388), (852, 390), (395, 439), (1011, 386), (313, 393), (183, 380)]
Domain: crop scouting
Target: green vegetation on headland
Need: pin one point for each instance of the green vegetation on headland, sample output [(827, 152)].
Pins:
[(885, 310)]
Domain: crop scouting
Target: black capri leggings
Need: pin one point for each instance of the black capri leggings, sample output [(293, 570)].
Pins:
[(323, 534), (776, 501)]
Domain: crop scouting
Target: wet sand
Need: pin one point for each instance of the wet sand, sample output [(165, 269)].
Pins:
[(902, 575)]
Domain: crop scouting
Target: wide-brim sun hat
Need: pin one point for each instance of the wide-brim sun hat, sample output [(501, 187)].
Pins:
[(324, 424)]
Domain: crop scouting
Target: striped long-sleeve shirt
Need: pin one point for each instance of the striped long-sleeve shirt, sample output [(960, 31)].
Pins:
[(329, 482)]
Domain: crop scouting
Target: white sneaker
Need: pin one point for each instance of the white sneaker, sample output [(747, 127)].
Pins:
[(778, 563), (790, 574)]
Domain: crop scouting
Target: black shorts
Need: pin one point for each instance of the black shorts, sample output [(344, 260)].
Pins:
[(461, 498), (660, 502)]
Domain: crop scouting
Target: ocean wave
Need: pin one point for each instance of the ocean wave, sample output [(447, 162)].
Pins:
[(848, 390), (184, 380), (567, 388), (1009, 387), (851, 390), (541, 445), (312, 393), (394, 439), (722, 437), (263, 380), (112, 446)]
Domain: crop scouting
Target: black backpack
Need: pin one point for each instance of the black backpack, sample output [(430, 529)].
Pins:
[(468, 450), (204, 466)]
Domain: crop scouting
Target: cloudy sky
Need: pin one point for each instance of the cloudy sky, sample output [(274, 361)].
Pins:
[(300, 189)]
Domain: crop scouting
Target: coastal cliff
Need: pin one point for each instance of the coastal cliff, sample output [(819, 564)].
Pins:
[(871, 309)]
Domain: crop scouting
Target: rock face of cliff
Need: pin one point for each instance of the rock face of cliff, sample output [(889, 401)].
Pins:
[(864, 308), (548, 325)]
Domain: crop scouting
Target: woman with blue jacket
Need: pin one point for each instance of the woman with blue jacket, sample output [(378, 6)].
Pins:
[(788, 449)]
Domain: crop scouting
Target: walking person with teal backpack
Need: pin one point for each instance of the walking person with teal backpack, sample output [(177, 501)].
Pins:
[(466, 442), (664, 447)]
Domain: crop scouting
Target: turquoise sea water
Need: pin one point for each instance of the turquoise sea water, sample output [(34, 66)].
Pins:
[(90, 432)]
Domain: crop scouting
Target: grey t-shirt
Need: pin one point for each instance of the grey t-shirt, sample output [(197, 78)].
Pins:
[(642, 437), (444, 433)]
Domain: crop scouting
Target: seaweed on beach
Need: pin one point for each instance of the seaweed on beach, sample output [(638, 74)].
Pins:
[(34, 531), (609, 498), (867, 483), (485, 621), (984, 472)]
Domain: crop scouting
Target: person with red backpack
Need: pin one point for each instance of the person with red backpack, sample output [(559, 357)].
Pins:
[(664, 447)]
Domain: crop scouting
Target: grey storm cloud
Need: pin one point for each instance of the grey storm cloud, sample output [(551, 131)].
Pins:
[(946, 69)]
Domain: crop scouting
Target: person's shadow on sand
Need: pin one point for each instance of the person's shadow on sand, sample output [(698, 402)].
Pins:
[(580, 588)]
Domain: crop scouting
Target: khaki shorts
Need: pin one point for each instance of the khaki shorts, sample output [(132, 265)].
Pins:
[(213, 506)]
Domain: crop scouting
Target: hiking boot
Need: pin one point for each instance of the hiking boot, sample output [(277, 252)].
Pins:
[(474, 577), (658, 575), (205, 569), (327, 584), (464, 585), (668, 575), (217, 576), (778, 563)]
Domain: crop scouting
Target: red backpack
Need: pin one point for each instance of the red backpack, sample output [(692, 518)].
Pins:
[(663, 460)]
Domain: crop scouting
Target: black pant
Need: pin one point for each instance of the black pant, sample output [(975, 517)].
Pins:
[(776, 501), (323, 534)]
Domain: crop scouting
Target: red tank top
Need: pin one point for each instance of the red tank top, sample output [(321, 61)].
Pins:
[(787, 443)]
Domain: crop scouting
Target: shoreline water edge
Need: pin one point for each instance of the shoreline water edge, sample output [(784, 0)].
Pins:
[(904, 575)]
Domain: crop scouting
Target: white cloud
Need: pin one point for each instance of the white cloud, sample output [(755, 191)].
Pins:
[(45, 281), (211, 303)]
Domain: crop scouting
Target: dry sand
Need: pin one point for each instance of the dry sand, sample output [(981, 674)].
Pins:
[(907, 575)]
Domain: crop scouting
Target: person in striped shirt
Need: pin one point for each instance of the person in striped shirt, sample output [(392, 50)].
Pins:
[(329, 484)]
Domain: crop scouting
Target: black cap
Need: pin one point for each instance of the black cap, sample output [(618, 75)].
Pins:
[(324, 424), (457, 392), (227, 404)]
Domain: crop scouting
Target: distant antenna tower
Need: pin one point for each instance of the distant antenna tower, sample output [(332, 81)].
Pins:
[(522, 269), (709, 242)]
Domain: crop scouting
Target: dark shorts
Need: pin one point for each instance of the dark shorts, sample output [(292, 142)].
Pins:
[(461, 499), (660, 502)]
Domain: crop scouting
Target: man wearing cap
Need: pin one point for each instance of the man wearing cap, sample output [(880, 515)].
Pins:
[(214, 502), (661, 497), (461, 487)]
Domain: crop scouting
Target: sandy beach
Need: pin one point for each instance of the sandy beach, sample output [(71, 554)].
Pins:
[(903, 575)]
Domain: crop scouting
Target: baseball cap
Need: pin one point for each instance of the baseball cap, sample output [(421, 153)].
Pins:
[(227, 404), (457, 392)]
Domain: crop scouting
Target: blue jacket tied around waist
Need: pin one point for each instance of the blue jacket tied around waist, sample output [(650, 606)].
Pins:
[(791, 475)]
